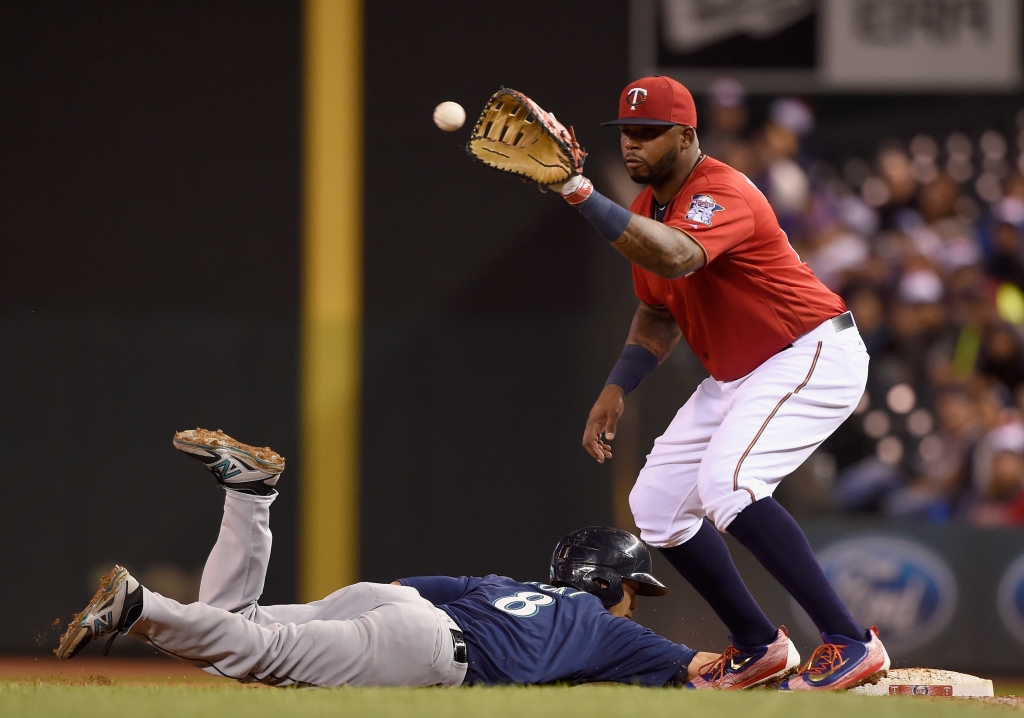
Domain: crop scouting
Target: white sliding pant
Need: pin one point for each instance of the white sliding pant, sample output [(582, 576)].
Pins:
[(366, 634)]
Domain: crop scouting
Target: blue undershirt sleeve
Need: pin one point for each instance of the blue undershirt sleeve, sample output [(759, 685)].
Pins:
[(438, 590)]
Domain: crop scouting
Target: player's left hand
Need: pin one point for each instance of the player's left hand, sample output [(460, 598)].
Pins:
[(574, 190), (516, 135), (602, 422), (557, 186), (703, 659)]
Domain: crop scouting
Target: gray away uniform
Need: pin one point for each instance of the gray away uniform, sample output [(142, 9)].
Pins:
[(367, 634)]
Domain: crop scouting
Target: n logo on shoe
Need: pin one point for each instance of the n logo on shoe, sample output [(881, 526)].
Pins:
[(222, 470), (103, 623)]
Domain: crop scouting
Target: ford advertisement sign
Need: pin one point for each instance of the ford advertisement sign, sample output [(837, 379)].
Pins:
[(903, 587), (1010, 599)]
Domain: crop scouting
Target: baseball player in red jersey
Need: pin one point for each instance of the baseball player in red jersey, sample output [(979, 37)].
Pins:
[(787, 366)]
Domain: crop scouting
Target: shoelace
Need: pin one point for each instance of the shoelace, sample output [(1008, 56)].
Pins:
[(717, 667), (826, 657)]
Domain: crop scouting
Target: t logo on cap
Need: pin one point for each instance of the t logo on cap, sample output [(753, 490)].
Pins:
[(636, 97), (656, 100)]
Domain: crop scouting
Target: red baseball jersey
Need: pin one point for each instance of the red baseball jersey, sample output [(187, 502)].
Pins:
[(753, 296)]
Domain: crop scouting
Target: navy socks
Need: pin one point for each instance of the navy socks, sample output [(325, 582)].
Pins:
[(706, 563), (777, 541)]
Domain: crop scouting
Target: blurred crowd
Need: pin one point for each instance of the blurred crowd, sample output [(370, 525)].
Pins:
[(923, 241)]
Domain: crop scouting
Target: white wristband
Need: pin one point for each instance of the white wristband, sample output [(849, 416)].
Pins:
[(571, 185)]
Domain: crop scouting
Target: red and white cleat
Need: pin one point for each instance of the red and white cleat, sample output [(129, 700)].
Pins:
[(748, 666), (841, 663)]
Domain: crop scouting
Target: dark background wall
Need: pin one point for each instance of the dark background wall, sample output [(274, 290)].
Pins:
[(150, 219), (482, 353), (149, 281)]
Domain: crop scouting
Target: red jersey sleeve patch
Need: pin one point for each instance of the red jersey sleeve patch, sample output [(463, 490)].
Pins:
[(718, 217)]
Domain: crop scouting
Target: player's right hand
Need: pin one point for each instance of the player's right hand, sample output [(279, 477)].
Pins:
[(603, 420)]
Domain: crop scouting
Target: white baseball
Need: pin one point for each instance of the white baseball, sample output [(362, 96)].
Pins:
[(449, 116)]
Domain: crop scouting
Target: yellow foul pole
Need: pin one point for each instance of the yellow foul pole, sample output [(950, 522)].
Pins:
[(332, 296)]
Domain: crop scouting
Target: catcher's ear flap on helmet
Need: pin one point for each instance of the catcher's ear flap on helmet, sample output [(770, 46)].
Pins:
[(596, 559)]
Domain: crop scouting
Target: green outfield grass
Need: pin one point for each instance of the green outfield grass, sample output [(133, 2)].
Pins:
[(18, 699)]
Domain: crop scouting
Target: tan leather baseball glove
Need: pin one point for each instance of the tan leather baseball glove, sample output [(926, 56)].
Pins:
[(516, 135)]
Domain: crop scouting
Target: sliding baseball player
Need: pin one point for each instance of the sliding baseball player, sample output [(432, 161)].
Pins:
[(425, 631)]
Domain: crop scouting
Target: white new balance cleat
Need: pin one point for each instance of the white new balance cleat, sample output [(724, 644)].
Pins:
[(236, 465), (105, 615)]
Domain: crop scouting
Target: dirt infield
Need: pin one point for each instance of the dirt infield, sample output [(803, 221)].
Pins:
[(98, 671), (161, 671)]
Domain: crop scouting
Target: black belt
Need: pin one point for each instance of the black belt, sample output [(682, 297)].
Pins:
[(842, 322), (461, 654)]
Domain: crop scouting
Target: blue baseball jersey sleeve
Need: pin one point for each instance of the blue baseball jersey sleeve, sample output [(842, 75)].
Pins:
[(534, 633)]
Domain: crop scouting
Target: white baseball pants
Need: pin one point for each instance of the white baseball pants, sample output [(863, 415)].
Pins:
[(733, 441), (367, 634)]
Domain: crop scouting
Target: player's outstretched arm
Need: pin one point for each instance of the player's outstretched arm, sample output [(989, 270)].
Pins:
[(652, 337), (666, 251), (703, 659)]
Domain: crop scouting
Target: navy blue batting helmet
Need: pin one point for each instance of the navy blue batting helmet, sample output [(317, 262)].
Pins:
[(597, 558)]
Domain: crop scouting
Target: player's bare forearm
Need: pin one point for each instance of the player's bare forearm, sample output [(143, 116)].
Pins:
[(655, 329), (666, 251)]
